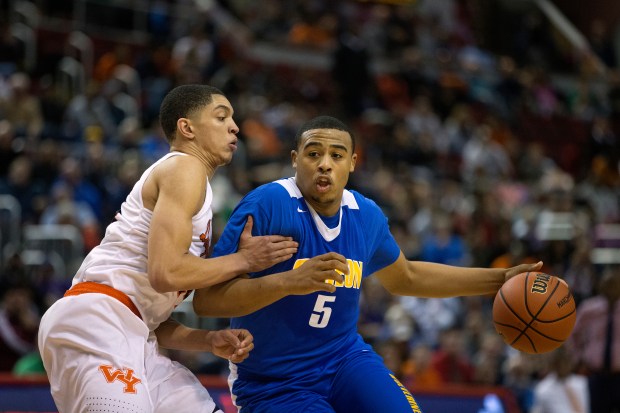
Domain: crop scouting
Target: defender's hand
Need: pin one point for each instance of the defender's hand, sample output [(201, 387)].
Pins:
[(232, 344), (264, 251)]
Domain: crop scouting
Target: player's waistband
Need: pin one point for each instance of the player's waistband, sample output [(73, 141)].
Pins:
[(93, 287)]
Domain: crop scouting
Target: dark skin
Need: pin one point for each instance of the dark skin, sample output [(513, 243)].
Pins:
[(323, 161)]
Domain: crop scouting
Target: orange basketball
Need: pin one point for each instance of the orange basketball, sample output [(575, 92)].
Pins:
[(534, 312)]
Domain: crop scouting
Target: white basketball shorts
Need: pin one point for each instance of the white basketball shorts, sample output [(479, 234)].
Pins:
[(100, 357)]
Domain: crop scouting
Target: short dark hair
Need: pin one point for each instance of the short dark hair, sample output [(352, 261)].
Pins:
[(324, 122), (182, 102)]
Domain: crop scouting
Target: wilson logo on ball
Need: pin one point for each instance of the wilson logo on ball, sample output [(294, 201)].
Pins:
[(541, 283)]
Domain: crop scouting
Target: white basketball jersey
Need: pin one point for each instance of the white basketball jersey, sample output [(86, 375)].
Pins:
[(120, 261)]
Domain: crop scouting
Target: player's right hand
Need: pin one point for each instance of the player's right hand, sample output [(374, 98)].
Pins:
[(262, 252), (232, 344), (311, 276)]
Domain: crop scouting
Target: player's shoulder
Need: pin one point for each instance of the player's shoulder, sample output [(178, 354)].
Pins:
[(271, 189), (272, 193), (359, 201), (175, 164)]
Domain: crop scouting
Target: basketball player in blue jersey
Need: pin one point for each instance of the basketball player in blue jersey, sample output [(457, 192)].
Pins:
[(308, 356)]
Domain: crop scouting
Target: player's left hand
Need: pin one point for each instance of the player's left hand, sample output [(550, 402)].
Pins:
[(232, 344), (518, 269)]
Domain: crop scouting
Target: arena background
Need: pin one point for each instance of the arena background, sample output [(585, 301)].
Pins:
[(487, 132)]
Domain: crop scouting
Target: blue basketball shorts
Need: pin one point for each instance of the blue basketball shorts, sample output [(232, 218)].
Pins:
[(358, 383)]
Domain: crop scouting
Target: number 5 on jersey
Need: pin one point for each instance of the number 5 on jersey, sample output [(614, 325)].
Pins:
[(321, 314)]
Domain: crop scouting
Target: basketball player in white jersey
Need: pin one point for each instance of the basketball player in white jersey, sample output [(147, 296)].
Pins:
[(99, 343)]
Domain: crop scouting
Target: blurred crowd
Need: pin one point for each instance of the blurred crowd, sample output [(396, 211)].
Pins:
[(478, 156)]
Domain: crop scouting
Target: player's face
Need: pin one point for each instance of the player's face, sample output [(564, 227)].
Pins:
[(214, 131), (323, 161)]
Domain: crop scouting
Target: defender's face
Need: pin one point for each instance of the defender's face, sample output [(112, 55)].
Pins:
[(323, 164), (215, 130)]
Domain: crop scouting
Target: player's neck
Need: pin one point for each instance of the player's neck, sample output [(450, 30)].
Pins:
[(325, 210)]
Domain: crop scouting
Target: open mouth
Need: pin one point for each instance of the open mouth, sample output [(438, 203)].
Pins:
[(323, 184)]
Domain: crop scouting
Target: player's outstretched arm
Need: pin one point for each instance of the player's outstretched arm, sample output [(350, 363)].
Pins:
[(175, 191), (232, 344), (242, 295), (427, 279)]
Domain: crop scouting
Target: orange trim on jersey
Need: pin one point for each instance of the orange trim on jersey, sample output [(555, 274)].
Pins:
[(93, 287)]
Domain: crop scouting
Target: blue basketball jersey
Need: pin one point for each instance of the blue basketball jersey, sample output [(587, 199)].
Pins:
[(301, 335)]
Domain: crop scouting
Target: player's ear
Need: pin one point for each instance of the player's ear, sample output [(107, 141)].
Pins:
[(184, 126), (353, 160), (294, 158)]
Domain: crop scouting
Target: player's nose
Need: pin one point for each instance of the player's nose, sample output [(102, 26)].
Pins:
[(325, 164)]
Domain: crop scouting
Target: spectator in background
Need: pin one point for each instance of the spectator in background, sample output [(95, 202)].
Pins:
[(602, 43), (71, 175), (22, 108), (561, 390), (450, 358), (88, 109), (484, 160), (19, 323), (351, 71), (65, 210), (29, 193), (596, 342), (53, 102), (119, 104), (418, 371), (432, 315), (603, 139), (194, 51), (153, 144), (11, 52), (488, 361), (533, 163), (9, 146), (444, 245), (519, 372), (108, 62), (313, 30)]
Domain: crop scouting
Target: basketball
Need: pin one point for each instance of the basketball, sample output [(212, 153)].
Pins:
[(534, 312)]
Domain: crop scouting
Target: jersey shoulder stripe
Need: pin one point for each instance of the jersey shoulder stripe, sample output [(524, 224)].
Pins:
[(348, 199)]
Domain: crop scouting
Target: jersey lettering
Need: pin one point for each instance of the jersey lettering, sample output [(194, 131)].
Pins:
[(321, 313), (205, 238), (351, 280), (414, 405), (127, 377)]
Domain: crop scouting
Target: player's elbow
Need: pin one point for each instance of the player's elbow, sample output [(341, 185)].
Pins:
[(206, 308), (160, 284), (204, 304), (161, 279), (200, 304)]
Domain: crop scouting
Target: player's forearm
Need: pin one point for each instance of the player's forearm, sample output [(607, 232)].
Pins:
[(190, 272), (173, 335), (240, 296), (438, 280)]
